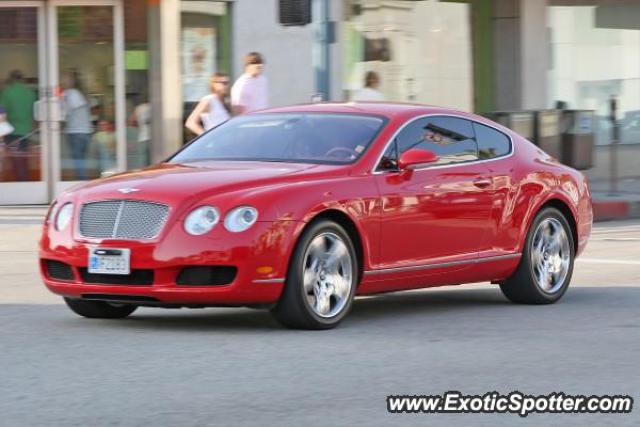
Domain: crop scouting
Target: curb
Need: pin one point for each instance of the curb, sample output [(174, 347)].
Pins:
[(607, 210)]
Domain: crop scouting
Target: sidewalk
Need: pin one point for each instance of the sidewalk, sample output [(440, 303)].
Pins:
[(22, 214), (624, 204)]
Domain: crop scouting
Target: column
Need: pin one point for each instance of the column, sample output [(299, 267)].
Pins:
[(521, 54), (534, 42), (165, 92)]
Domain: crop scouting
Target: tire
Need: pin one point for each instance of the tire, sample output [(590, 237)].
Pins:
[(325, 255), (99, 309), (546, 266)]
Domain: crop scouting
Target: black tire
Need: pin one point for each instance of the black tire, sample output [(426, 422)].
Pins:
[(99, 309), (522, 287), (293, 309)]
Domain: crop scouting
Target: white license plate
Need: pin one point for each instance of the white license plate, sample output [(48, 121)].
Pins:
[(109, 261)]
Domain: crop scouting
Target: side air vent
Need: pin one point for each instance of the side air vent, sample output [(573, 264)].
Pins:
[(59, 270), (206, 276)]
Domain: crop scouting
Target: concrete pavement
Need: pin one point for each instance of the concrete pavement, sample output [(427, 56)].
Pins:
[(238, 367)]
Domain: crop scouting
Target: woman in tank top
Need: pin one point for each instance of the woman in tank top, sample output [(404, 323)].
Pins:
[(212, 109)]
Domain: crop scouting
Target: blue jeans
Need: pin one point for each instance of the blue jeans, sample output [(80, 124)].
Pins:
[(79, 144)]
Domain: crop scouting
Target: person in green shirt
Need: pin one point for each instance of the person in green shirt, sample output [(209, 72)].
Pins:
[(17, 100)]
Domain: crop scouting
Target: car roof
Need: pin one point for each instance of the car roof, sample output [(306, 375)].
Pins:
[(387, 109)]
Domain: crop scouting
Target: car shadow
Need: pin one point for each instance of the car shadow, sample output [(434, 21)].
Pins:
[(435, 305)]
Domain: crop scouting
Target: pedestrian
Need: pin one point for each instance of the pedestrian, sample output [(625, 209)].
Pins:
[(212, 109), (17, 99), (250, 91), (141, 118), (370, 92), (104, 142), (78, 128)]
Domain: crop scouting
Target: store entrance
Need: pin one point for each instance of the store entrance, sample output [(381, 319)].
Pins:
[(62, 95)]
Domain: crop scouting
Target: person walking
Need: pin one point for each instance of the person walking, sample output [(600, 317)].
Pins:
[(250, 91), (370, 92), (17, 100), (212, 109), (140, 118), (78, 128), (104, 143)]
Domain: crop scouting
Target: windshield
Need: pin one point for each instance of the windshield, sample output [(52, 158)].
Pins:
[(286, 137)]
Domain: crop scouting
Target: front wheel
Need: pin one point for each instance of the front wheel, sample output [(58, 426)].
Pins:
[(99, 309), (321, 280), (546, 266)]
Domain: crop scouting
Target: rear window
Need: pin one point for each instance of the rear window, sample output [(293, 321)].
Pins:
[(491, 143), (286, 137)]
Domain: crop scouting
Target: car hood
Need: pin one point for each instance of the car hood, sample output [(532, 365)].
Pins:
[(178, 183)]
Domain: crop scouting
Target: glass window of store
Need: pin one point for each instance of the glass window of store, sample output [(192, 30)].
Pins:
[(420, 50), (20, 150), (85, 55), (205, 49), (595, 54)]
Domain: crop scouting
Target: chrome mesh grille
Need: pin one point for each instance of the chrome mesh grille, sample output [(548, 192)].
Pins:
[(122, 219)]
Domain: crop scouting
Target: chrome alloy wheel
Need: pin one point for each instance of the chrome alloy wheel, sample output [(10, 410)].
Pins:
[(550, 255), (327, 274)]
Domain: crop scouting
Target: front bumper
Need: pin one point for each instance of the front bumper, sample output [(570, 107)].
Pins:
[(260, 255)]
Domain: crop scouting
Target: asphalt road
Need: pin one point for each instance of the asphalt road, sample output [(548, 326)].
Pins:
[(233, 367)]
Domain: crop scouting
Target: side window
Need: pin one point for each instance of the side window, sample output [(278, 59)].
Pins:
[(491, 143), (450, 138)]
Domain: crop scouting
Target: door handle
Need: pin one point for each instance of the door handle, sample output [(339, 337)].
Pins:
[(482, 182)]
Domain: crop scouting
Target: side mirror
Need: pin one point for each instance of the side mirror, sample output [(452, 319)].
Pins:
[(414, 157)]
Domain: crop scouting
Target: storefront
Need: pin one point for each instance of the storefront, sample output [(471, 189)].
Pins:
[(132, 70), (76, 80)]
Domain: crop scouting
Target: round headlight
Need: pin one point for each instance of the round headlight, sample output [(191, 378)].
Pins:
[(63, 217), (201, 220), (240, 218)]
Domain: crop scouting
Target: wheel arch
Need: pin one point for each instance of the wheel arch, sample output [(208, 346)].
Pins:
[(567, 212), (350, 227)]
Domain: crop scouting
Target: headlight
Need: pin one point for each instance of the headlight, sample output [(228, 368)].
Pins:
[(201, 220), (240, 218), (63, 217)]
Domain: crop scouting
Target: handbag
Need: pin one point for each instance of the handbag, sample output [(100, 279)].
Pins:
[(5, 126), (5, 129)]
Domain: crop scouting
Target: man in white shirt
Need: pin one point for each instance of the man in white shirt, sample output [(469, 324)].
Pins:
[(250, 91), (370, 91)]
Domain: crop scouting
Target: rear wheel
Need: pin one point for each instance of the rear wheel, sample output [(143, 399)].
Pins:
[(99, 309), (321, 281), (546, 266)]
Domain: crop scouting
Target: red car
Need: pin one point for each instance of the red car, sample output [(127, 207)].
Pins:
[(298, 209)]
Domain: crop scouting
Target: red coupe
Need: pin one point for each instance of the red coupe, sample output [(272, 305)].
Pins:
[(299, 209)]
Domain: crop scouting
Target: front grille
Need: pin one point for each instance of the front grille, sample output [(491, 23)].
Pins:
[(122, 219), (206, 276), (136, 278), (59, 270)]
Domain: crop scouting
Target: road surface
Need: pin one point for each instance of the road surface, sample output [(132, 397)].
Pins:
[(238, 367)]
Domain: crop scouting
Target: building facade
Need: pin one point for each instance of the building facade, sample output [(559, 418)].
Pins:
[(109, 83)]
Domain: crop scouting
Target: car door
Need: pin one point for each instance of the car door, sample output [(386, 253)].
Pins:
[(436, 214)]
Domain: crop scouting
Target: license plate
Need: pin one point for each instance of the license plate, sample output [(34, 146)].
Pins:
[(109, 261)]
